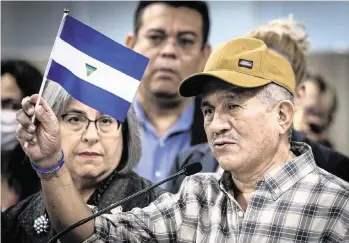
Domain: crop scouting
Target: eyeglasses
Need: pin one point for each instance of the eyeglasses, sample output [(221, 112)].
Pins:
[(76, 122)]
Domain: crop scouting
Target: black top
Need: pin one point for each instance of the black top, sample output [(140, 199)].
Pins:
[(17, 222)]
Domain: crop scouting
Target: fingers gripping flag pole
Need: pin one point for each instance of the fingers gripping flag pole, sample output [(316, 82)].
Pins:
[(44, 79), (94, 69)]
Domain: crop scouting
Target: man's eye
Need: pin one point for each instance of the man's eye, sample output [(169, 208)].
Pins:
[(156, 38), (186, 42), (208, 111), (232, 106)]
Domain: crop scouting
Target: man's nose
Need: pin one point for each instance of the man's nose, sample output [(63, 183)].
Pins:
[(220, 123), (170, 49)]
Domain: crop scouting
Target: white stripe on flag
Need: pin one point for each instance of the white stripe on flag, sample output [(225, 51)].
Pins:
[(104, 77)]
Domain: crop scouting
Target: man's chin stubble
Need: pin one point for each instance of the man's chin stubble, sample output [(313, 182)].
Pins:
[(168, 100)]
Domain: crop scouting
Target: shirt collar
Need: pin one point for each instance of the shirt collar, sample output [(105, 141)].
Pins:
[(139, 111), (280, 179)]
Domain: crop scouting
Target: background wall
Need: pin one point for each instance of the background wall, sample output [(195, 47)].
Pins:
[(28, 30)]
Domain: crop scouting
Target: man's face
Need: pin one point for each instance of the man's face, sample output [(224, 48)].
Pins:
[(241, 130), (172, 39)]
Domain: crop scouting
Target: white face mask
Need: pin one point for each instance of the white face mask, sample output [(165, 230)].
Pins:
[(8, 129)]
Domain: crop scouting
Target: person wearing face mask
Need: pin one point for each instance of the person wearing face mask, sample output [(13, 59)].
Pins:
[(8, 128), (19, 79)]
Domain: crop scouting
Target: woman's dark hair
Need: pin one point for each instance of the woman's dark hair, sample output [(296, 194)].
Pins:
[(28, 77), (15, 166), (20, 175)]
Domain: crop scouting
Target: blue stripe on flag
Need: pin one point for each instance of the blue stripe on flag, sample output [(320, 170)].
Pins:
[(89, 94), (102, 48)]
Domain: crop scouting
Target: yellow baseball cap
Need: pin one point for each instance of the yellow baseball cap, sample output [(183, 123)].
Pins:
[(244, 62)]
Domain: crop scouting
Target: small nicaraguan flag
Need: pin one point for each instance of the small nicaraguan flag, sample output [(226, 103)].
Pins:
[(96, 70)]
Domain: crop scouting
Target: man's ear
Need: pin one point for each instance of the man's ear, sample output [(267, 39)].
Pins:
[(285, 115), (130, 40), (206, 52)]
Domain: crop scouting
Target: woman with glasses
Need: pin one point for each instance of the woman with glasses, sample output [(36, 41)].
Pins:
[(99, 152)]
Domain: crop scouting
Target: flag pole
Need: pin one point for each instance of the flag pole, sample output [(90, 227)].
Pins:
[(66, 12)]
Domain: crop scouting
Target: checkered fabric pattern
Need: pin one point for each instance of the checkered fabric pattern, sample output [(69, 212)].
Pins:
[(297, 202)]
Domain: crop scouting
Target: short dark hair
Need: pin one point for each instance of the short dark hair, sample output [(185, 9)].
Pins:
[(28, 77), (199, 6)]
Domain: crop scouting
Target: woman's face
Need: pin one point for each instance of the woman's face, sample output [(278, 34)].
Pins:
[(11, 94), (92, 149)]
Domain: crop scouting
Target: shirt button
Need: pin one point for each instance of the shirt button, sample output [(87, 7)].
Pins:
[(162, 144), (158, 174), (240, 214), (277, 191)]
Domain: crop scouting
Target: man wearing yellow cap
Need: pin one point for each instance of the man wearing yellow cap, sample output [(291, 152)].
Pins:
[(288, 38), (271, 190)]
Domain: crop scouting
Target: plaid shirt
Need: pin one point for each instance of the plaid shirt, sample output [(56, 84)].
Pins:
[(297, 202)]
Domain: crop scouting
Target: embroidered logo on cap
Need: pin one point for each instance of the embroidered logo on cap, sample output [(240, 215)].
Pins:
[(245, 63)]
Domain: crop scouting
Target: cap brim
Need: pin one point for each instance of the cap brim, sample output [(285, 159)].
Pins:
[(193, 85)]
